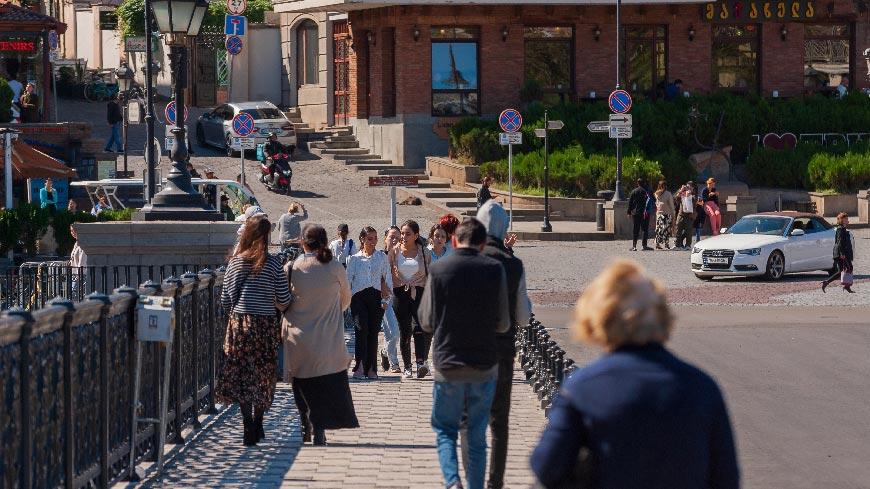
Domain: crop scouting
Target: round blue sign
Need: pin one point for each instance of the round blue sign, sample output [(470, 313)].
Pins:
[(170, 112), (619, 101), (234, 45), (243, 124), (510, 120)]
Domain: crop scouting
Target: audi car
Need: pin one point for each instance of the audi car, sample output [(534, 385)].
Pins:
[(216, 127), (770, 244)]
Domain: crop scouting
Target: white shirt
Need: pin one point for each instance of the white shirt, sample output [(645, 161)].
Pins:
[(408, 267), (365, 271), (687, 203), (342, 251)]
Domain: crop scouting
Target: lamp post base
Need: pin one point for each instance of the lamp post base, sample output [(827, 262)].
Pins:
[(178, 214), (547, 227)]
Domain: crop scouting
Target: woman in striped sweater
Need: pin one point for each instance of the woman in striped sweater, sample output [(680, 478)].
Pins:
[(254, 285)]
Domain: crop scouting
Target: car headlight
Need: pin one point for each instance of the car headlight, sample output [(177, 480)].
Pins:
[(750, 251), (695, 249)]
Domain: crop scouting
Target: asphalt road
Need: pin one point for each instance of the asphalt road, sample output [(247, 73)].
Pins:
[(794, 378)]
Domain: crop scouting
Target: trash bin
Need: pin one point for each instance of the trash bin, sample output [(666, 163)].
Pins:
[(599, 216), (605, 194)]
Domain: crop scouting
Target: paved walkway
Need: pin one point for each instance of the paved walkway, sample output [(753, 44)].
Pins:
[(393, 448)]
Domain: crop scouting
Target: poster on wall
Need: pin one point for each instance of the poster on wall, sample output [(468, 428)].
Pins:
[(60, 185), (105, 169)]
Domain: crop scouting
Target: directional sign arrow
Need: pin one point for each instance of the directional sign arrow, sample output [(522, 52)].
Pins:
[(598, 126), (541, 133), (620, 118), (555, 125)]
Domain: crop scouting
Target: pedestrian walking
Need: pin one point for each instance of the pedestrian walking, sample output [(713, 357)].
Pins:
[(342, 248), (464, 305), (290, 225), (254, 285), (843, 255), (664, 215), (315, 356), (437, 246), (368, 272), (496, 219), (409, 264), (483, 193), (710, 196), (390, 325), (685, 216), (640, 205), (114, 118), (638, 416)]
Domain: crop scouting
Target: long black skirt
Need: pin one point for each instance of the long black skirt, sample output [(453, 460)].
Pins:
[(325, 402)]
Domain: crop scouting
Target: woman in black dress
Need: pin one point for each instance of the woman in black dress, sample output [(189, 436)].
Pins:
[(842, 253)]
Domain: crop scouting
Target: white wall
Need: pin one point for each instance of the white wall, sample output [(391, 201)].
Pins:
[(264, 61), (111, 49), (85, 36)]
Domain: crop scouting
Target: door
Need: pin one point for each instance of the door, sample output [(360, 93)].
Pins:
[(341, 73), (205, 89)]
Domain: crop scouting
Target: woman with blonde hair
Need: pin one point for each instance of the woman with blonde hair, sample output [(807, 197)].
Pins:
[(638, 416), (664, 215), (710, 196)]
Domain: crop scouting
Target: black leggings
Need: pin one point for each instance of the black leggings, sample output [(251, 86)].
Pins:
[(365, 306), (840, 265), (406, 314)]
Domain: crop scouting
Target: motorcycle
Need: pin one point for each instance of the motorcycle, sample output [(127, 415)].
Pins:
[(276, 174)]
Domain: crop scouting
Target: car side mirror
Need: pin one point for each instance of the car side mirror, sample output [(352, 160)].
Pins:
[(797, 232)]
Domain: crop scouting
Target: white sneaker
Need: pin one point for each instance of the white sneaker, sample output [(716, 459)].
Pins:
[(408, 374)]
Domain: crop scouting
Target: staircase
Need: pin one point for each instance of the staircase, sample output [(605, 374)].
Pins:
[(343, 147), (438, 194)]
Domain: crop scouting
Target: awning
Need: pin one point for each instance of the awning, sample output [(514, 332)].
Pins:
[(32, 163), (349, 5)]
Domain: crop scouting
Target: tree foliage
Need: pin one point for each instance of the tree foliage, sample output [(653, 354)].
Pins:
[(131, 16)]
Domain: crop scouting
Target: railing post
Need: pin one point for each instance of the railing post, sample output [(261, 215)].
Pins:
[(151, 287), (131, 362), (69, 442), (210, 324), (26, 475), (194, 343), (177, 344), (104, 386)]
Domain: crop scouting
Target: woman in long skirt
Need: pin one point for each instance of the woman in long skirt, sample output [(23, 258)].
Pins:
[(254, 284)]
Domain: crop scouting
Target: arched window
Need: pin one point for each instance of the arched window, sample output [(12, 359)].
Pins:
[(307, 53)]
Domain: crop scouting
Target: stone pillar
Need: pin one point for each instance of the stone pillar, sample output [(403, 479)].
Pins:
[(864, 206), (737, 206), (616, 219)]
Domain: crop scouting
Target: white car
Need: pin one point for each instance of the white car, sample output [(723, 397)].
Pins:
[(770, 244), (216, 127)]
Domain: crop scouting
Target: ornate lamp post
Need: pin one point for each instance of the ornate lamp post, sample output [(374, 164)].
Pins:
[(125, 79), (178, 201)]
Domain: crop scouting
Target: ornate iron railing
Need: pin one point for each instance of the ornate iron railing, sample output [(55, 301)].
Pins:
[(543, 360), (67, 372)]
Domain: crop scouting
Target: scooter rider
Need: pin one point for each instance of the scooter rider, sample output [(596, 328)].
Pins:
[(271, 149)]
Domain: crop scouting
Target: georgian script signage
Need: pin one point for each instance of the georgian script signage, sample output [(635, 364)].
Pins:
[(759, 10)]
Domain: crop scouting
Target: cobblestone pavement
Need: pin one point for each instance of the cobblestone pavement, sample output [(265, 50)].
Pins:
[(393, 448)]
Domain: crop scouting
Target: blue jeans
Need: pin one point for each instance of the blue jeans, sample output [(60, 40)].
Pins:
[(450, 399), (391, 334), (115, 138)]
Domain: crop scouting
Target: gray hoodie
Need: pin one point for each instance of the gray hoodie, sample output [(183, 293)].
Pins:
[(495, 218)]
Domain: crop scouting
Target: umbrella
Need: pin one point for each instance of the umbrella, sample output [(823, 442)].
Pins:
[(28, 162)]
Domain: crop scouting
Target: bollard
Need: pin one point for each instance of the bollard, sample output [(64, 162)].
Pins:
[(599, 216)]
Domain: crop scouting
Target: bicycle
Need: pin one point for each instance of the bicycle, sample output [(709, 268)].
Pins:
[(97, 90)]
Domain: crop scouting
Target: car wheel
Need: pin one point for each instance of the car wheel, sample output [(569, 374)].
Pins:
[(229, 149), (775, 265), (705, 278), (200, 135)]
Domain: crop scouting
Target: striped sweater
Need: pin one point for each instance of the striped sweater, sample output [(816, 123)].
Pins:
[(254, 294)]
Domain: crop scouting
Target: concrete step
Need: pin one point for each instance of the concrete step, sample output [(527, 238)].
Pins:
[(303, 130), (450, 194), (369, 162), (342, 138), (398, 170), (435, 183), (381, 165), (327, 144), (345, 151), (458, 202), (357, 157)]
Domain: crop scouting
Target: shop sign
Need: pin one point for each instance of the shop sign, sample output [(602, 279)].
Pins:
[(759, 11), (136, 44), (18, 46)]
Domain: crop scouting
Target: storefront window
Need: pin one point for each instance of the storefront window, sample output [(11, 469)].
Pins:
[(645, 60), (21, 59), (549, 57), (735, 58), (826, 55), (455, 88)]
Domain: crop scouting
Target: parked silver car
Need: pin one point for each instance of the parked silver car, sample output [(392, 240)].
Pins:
[(216, 127)]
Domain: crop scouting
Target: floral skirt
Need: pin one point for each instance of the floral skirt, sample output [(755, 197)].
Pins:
[(251, 368), (663, 229)]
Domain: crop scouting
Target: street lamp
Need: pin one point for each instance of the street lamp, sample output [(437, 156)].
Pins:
[(178, 200), (125, 80)]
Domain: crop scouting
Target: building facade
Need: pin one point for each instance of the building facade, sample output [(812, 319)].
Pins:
[(414, 69)]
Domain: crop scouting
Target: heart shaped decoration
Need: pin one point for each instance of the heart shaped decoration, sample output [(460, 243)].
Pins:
[(777, 141)]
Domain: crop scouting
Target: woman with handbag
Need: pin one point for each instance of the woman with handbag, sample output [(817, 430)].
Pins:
[(254, 285), (843, 255), (315, 356), (409, 263)]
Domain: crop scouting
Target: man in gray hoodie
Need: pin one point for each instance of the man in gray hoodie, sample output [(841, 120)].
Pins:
[(496, 220)]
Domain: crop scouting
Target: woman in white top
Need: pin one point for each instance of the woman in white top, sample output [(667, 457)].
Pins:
[(664, 215), (437, 246), (390, 325), (342, 248), (369, 275)]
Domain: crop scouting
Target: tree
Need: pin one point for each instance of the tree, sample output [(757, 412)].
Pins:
[(131, 16), (6, 95)]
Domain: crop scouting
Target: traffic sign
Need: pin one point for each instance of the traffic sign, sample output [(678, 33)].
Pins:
[(619, 101), (620, 132), (243, 143), (555, 125), (243, 124), (234, 25), (52, 40), (169, 144), (510, 120), (506, 138), (393, 181), (170, 112), (233, 45), (598, 126), (620, 120), (237, 7), (53, 56)]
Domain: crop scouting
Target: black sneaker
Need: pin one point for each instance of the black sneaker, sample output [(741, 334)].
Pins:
[(385, 360), (422, 370)]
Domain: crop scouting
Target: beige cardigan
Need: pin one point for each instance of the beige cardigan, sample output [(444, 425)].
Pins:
[(313, 326), (419, 278)]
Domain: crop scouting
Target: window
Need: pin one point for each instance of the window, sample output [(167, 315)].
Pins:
[(735, 57), (549, 57), (307, 54), (826, 55), (455, 87), (644, 59)]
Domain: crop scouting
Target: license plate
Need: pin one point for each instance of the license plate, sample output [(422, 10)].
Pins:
[(716, 259)]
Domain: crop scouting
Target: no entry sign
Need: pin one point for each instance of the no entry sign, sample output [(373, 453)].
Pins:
[(510, 120), (243, 124), (619, 101)]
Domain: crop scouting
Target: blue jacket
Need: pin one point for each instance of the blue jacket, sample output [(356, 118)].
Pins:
[(650, 420)]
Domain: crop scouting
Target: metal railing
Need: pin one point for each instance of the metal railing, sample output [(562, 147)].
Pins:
[(543, 361), (67, 374)]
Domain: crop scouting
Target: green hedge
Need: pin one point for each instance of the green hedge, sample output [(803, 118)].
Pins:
[(572, 172), (28, 222), (840, 173), (811, 166)]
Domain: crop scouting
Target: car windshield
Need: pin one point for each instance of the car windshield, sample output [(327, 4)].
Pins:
[(770, 225), (264, 113)]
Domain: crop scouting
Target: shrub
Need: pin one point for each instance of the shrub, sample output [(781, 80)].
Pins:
[(479, 145), (6, 95), (840, 173)]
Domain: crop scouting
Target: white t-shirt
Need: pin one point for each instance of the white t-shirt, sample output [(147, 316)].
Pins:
[(16, 87), (408, 267)]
